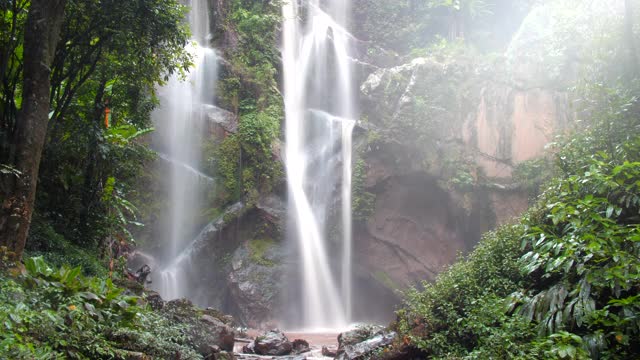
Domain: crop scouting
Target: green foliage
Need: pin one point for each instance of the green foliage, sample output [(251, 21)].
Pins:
[(464, 310), (363, 201), (258, 130), (564, 345), (50, 313), (13, 16), (258, 249), (402, 26), (583, 254), (58, 251), (246, 161), (571, 291), (471, 8), (463, 180), (392, 25), (532, 174), (227, 162), (111, 53)]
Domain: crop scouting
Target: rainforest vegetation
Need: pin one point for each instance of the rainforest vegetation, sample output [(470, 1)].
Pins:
[(78, 86)]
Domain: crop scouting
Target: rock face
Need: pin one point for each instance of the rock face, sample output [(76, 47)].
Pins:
[(512, 126), (255, 280), (222, 122), (235, 263), (442, 140), (414, 232)]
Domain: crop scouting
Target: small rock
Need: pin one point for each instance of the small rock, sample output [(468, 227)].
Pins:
[(330, 351), (300, 346), (137, 356), (155, 300), (223, 355), (211, 320), (273, 342), (249, 348), (227, 319)]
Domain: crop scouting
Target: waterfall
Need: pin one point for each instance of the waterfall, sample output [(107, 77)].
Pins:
[(320, 116), (179, 122)]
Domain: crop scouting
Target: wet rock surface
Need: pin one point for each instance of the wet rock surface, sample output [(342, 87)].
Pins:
[(330, 351), (254, 281), (223, 355), (273, 342), (443, 130), (367, 347), (357, 335), (154, 300), (226, 120), (235, 262), (300, 346), (207, 332), (314, 341)]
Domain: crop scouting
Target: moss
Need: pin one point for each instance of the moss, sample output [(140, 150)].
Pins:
[(227, 157), (363, 201), (384, 278), (249, 85), (258, 249)]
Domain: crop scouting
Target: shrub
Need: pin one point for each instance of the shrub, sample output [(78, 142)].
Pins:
[(465, 308), (50, 313)]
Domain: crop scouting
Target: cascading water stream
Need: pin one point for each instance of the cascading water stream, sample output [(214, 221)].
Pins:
[(180, 126), (320, 112)]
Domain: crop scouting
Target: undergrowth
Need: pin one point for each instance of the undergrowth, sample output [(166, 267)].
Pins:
[(48, 313)]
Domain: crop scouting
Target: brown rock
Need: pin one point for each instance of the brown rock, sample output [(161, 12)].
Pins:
[(330, 351), (300, 346)]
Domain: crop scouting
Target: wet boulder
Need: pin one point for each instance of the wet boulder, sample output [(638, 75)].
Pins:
[(223, 355), (363, 349), (206, 331), (358, 335), (249, 348), (255, 281), (300, 346), (330, 351), (154, 300), (273, 342)]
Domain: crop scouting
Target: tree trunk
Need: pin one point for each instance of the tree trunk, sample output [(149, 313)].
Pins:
[(42, 31), (631, 41)]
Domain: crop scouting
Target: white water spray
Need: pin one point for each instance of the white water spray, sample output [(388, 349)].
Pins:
[(180, 123), (320, 113)]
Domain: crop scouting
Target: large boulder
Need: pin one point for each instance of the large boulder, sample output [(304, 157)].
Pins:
[(225, 120), (300, 346), (357, 335), (365, 348), (255, 281), (273, 342), (236, 262), (206, 331)]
